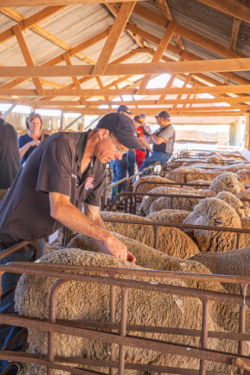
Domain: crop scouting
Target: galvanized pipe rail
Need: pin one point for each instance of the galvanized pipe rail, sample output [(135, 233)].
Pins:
[(202, 353), (134, 194)]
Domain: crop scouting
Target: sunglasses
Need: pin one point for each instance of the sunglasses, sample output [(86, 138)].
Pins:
[(116, 145)]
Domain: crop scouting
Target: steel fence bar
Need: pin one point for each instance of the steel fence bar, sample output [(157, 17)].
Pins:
[(242, 320), (13, 249), (204, 335), (52, 319), (39, 268), (112, 320), (124, 311)]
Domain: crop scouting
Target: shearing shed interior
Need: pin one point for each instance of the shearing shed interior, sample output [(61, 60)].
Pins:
[(115, 261)]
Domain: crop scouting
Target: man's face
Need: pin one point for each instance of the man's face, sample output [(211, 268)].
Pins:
[(162, 122), (125, 113), (109, 148)]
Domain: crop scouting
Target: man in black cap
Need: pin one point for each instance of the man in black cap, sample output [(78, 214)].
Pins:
[(64, 170), (163, 140)]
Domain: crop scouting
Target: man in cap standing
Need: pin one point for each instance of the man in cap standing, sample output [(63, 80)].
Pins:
[(146, 132), (65, 170), (163, 140)]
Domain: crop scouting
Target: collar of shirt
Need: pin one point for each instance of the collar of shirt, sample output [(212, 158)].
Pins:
[(81, 147)]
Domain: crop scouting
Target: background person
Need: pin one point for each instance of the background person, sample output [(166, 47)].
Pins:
[(9, 154), (28, 142), (163, 140), (120, 167), (146, 132), (140, 155)]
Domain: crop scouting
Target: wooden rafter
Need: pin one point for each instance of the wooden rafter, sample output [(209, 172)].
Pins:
[(188, 34), (137, 38), (45, 34), (113, 38), (30, 21), (27, 57), (158, 54), (163, 6), (233, 8), (24, 3), (59, 59), (235, 33)]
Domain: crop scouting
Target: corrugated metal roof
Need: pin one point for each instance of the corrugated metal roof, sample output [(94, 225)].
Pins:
[(77, 23)]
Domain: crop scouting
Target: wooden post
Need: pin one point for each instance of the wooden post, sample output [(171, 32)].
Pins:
[(61, 121), (247, 143)]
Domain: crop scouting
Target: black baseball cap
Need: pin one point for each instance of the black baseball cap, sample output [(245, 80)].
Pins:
[(163, 114), (124, 108), (123, 128), (143, 115), (138, 119)]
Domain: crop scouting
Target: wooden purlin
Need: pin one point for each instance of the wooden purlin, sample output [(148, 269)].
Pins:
[(28, 3), (45, 34), (114, 36), (202, 66), (158, 54), (27, 57)]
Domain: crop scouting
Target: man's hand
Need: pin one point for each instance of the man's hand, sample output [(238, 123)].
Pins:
[(114, 247)]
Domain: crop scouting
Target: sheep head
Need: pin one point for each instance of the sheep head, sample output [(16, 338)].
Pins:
[(227, 182), (214, 212)]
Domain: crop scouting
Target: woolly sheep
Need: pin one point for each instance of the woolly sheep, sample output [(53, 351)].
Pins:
[(90, 302), (177, 203), (244, 176), (171, 241), (213, 159), (214, 212), (144, 188), (169, 216), (223, 314), (179, 176), (234, 262), (226, 182), (235, 202)]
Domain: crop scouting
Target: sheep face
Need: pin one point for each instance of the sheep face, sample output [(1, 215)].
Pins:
[(227, 182), (214, 212)]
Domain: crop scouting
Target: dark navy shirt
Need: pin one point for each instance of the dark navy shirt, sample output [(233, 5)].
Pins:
[(23, 140), (54, 166)]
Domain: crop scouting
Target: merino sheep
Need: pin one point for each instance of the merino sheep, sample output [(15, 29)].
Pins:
[(235, 202), (227, 182), (214, 212), (144, 188), (171, 241), (169, 216), (192, 174), (234, 262), (244, 176), (213, 159), (90, 302), (177, 203)]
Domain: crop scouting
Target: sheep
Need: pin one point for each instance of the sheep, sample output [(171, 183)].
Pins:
[(244, 176), (144, 188), (223, 314), (200, 182), (177, 203), (169, 216), (90, 302), (171, 241), (234, 262), (235, 202), (227, 182), (179, 176), (214, 212), (213, 159)]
